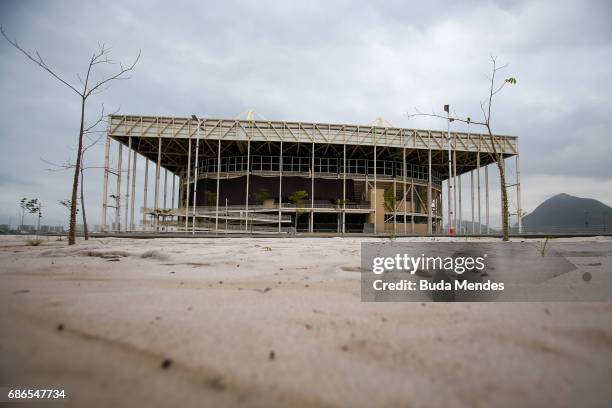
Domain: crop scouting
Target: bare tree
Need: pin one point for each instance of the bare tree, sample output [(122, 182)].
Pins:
[(88, 87), (486, 108), (93, 137)]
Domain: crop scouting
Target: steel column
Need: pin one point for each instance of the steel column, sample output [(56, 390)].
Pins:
[(280, 187), (133, 202), (145, 193), (460, 207), (187, 189), (127, 185), (472, 200), (195, 178), (375, 193), (429, 195), (404, 171), (218, 179), (344, 188), (248, 173), (105, 185), (478, 191), (487, 197), (118, 192), (311, 226)]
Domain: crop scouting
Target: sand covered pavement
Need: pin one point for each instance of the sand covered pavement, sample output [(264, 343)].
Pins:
[(276, 322)]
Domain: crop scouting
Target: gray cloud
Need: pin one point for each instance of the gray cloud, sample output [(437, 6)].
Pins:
[(313, 61)]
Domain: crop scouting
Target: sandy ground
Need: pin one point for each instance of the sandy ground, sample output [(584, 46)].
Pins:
[(276, 322)]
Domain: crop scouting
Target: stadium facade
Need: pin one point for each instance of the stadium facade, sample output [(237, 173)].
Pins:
[(248, 175)]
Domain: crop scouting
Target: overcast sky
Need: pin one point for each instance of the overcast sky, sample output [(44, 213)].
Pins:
[(328, 61)]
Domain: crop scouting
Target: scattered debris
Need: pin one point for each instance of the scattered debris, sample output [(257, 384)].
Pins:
[(166, 363), (153, 254), (546, 311), (587, 276), (21, 291), (172, 272), (220, 282), (272, 355), (344, 347), (60, 327), (383, 319), (263, 290), (307, 326), (351, 268), (215, 383)]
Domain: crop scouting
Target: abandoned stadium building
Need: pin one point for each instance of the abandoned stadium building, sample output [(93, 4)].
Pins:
[(247, 175)]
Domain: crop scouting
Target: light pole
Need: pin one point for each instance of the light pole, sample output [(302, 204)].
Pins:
[(195, 176), (450, 172)]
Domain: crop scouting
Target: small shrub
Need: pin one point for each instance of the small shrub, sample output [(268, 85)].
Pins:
[(33, 242)]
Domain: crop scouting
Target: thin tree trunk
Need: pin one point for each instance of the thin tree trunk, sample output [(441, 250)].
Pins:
[(75, 180), (502, 184), (85, 231)]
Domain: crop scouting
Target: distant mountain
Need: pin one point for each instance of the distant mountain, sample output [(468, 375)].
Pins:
[(467, 228), (566, 213)]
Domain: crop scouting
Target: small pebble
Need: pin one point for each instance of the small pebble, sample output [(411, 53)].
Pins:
[(166, 363)]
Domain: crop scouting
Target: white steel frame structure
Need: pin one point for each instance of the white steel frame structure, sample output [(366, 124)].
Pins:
[(188, 150)]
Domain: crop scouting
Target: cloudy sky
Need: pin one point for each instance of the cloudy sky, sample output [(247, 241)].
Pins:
[(328, 61)]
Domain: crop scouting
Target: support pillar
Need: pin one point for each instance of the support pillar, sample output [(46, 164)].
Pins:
[(218, 180), (412, 203), (248, 174), (455, 208), (105, 185), (344, 187), (133, 202), (157, 174), (145, 194), (118, 190), (375, 192), (429, 195), (472, 200), (173, 188), (280, 187), (196, 169), (311, 226), (487, 197), (404, 171), (394, 205), (187, 183), (450, 176), (460, 226), (478, 191), (165, 188), (127, 185)]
